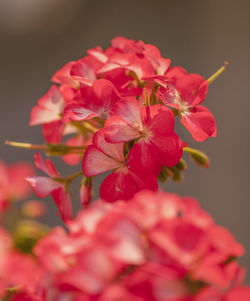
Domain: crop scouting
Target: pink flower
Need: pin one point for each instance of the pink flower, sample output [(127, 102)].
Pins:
[(92, 101), (188, 91), (43, 186), (124, 181), (152, 128)]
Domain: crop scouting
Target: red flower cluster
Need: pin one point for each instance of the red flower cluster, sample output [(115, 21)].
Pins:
[(119, 106), (116, 103), (153, 247)]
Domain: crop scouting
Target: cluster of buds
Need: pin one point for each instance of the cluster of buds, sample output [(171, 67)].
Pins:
[(119, 106), (154, 247)]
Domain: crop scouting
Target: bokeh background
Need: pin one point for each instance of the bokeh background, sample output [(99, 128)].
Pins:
[(38, 36)]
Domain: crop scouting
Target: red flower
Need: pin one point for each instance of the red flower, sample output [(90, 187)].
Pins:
[(92, 101), (152, 128), (188, 91), (124, 181)]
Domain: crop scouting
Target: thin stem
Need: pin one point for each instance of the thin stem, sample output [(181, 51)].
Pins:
[(217, 73), (90, 127), (26, 145)]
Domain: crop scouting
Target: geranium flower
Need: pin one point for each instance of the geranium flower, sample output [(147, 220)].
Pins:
[(152, 128), (93, 101), (124, 181), (186, 95)]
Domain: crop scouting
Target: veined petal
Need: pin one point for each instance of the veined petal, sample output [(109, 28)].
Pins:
[(106, 95), (63, 202), (118, 130), (123, 184), (77, 112), (163, 122), (49, 107), (129, 110), (170, 149), (83, 73), (43, 186), (113, 150), (193, 88), (63, 76), (142, 157), (170, 96), (96, 162), (45, 165), (200, 123), (118, 186)]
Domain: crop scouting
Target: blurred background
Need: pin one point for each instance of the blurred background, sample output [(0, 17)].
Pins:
[(39, 36)]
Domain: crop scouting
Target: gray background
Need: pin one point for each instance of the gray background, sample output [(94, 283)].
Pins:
[(38, 37)]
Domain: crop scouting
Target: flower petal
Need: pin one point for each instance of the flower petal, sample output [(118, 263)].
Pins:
[(45, 165), (123, 184), (96, 162), (63, 202), (49, 107), (113, 150), (170, 149), (129, 110), (118, 130), (200, 123), (43, 186), (77, 112)]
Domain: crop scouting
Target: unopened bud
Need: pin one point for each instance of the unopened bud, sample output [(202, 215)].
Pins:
[(199, 157)]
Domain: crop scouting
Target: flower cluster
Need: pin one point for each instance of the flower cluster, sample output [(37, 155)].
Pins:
[(154, 247), (120, 106)]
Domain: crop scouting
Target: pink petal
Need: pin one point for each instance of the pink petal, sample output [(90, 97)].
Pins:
[(63, 202), (122, 185), (43, 186), (53, 131), (200, 123), (170, 149), (83, 73), (85, 194), (118, 130), (143, 157), (106, 95), (49, 107), (175, 73), (96, 162), (193, 88), (98, 54), (170, 96), (163, 122), (112, 150), (164, 65), (75, 111), (129, 110), (45, 165), (63, 76)]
